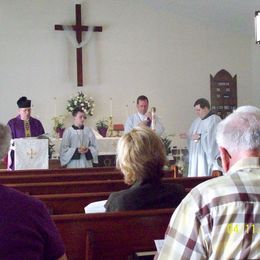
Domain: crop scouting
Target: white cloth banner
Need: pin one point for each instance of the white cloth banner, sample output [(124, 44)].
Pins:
[(31, 153)]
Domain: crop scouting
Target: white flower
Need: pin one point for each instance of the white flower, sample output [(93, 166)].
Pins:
[(82, 101)]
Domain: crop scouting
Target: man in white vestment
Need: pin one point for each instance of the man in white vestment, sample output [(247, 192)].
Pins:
[(202, 145), (78, 147), (143, 117)]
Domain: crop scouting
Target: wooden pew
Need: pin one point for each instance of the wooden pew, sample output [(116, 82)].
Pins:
[(111, 236), (60, 177), (71, 203), (59, 170), (66, 176), (93, 186)]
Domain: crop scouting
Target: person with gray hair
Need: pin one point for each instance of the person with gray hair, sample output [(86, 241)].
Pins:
[(219, 219), (26, 228)]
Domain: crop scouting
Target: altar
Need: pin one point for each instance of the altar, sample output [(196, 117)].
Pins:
[(106, 149)]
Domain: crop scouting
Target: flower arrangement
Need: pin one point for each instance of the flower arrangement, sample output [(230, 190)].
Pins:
[(87, 104), (58, 122)]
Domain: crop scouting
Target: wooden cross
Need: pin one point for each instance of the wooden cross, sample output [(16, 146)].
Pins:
[(79, 28), (31, 153)]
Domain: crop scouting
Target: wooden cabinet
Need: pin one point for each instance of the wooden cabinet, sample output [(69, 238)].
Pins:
[(223, 91)]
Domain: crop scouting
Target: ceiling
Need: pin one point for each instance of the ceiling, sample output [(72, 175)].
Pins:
[(235, 15)]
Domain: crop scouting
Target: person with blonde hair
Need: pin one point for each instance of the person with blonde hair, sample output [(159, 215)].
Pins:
[(26, 228), (141, 157)]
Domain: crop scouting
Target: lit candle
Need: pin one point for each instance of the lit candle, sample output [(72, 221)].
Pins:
[(111, 107)]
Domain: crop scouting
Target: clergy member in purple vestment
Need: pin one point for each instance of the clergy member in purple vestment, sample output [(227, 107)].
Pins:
[(24, 125)]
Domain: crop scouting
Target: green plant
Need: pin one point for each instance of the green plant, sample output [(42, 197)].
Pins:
[(58, 122), (103, 123), (167, 143)]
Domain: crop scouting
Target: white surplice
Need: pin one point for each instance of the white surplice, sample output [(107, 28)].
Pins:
[(204, 153), (72, 139), (135, 119)]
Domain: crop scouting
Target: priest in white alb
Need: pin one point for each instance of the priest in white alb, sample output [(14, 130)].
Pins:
[(143, 117), (202, 145), (78, 147)]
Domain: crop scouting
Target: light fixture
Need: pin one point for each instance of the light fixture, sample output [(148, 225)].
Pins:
[(257, 27)]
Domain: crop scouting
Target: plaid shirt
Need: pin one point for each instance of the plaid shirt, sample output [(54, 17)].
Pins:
[(219, 219)]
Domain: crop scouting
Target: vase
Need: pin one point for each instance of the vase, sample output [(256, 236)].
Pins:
[(102, 131), (60, 132)]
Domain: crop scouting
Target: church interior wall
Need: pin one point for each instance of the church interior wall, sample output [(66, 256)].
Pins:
[(142, 50)]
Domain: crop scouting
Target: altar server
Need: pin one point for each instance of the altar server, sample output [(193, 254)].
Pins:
[(78, 146), (202, 145), (143, 117)]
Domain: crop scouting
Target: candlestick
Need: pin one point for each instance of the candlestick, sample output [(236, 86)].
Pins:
[(127, 112), (55, 106), (111, 107), (133, 106), (110, 126)]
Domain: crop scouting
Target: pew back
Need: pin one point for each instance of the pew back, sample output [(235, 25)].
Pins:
[(58, 170), (114, 235), (93, 186), (60, 177), (72, 203)]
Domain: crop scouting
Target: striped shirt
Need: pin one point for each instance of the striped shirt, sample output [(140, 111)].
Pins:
[(219, 219)]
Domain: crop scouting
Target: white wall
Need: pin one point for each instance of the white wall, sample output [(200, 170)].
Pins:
[(142, 50)]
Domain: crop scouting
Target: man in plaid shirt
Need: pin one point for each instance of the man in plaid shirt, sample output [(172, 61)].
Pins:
[(220, 218)]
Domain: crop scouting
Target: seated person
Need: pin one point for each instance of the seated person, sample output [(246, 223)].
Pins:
[(26, 228), (219, 219), (141, 157), (78, 147)]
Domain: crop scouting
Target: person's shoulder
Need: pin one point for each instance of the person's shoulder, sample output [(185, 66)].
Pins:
[(175, 187), (88, 129), (119, 197), (131, 117), (214, 117), (209, 190), (18, 199), (35, 119), (12, 120)]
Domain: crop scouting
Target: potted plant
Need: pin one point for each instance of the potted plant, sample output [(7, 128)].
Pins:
[(102, 126), (59, 125)]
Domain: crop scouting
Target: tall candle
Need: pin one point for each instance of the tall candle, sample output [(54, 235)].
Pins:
[(55, 106), (111, 107), (133, 106), (127, 112)]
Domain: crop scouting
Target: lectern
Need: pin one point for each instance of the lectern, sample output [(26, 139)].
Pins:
[(31, 153)]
